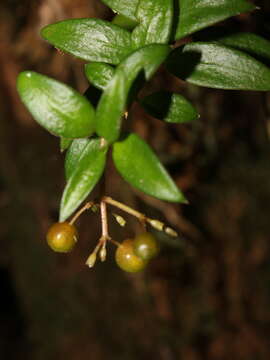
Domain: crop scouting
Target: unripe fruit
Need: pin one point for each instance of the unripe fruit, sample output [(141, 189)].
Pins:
[(62, 237), (146, 246), (126, 258)]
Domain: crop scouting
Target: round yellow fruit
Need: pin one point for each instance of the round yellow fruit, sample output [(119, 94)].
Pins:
[(62, 237), (146, 246), (126, 259)]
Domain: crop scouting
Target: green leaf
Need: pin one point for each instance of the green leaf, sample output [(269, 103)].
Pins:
[(218, 66), (57, 107), (124, 22), (114, 100), (90, 39), (252, 44), (155, 22), (73, 155), (195, 15), (171, 108), (99, 74), (88, 171), (140, 167), (124, 7), (65, 143)]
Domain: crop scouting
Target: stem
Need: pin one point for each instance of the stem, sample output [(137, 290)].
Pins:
[(125, 208), (105, 233), (87, 206), (116, 243), (156, 224), (104, 221), (97, 247)]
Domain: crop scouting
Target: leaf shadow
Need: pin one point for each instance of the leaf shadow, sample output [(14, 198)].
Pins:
[(158, 104), (93, 95), (136, 86), (182, 64)]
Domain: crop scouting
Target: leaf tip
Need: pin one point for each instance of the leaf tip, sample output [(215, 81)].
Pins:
[(180, 198), (22, 80), (24, 74), (44, 32), (185, 201)]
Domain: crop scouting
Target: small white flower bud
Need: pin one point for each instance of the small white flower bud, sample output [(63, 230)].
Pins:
[(91, 260), (171, 232), (156, 224), (121, 221), (103, 254)]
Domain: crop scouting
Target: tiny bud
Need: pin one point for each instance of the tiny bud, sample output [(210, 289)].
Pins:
[(103, 253), (171, 232), (156, 224), (94, 208), (103, 143), (91, 260), (121, 221)]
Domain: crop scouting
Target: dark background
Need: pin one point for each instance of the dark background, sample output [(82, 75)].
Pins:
[(207, 295)]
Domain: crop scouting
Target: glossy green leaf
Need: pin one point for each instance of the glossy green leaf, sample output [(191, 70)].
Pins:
[(65, 143), (140, 167), (88, 171), (195, 15), (90, 39), (124, 7), (169, 107), (155, 22), (57, 107), (99, 74), (124, 22), (253, 44), (73, 155), (218, 66), (113, 102)]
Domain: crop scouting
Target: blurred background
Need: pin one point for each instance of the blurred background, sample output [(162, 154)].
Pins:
[(207, 296)]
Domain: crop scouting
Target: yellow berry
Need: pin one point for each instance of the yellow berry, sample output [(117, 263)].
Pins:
[(126, 258), (62, 237), (146, 246)]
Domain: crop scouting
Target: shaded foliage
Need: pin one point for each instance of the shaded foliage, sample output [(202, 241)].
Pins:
[(206, 297)]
